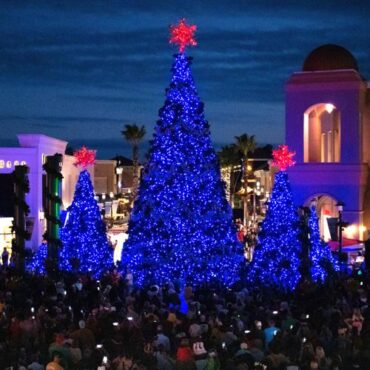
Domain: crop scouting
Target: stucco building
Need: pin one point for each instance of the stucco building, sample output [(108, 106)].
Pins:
[(328, 126), (32, 150)]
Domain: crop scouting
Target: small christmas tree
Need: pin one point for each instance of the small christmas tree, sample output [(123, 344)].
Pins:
[(36, 263), (85, 246), (322, 263), (181, 225), (277, 257)]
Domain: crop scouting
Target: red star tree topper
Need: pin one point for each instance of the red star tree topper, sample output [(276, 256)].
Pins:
[(183, 35), (84, 157), (283, 158)]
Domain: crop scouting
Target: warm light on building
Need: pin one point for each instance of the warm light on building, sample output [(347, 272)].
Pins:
[(362, 228), (327, 111), (32, 151), (350, 231), (329, 108)]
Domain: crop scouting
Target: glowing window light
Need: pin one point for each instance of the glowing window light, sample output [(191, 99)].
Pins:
[(329, 108), (350, 231), (362, 228)]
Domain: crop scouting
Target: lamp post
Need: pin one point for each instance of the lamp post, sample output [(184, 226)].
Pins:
[(340, 225), (111, 196), (313, 203), (304, 213), (119, 171), (256, 192)]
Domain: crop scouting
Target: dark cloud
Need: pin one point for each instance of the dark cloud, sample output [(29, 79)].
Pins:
[(109, 148), (68, 64)]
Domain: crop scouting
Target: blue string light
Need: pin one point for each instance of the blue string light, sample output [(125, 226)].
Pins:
[(181, 224), (322, 263), (36, 264), (277, 257), (85, 246)]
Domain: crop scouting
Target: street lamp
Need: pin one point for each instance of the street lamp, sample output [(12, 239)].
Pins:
[(256, 192), (119, 171), (111, 196), (313, 203), (340, 206), (304, 213), (341, 224)]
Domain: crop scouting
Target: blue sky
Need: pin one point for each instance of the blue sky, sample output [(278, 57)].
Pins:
[(80, 70)]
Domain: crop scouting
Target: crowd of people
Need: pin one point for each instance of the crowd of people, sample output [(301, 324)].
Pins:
[(73, 322), (247, 236)]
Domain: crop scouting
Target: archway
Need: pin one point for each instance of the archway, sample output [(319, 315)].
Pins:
[(327, 213), (322, 133)]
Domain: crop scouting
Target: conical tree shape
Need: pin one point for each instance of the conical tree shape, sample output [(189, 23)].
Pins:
[(36, 264), (322, 263), (181, 225), (85, 245), (277, 257)]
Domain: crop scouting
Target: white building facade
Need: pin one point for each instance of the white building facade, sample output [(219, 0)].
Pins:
[(32, 150)]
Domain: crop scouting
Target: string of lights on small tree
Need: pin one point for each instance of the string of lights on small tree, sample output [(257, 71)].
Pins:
[(322, 263), (85, 247), (181, 225), (277, 257), (36, 263)]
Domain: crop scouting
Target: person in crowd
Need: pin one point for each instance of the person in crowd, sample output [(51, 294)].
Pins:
[(68, 323), (184, 356), (84, 339), (55, 363), (162, 339), (5, 257), (35, 362), (58, 351), (270, 331)]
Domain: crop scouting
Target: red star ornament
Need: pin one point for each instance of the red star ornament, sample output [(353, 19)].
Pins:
[(283, 158), (84, 157), (183, 35)]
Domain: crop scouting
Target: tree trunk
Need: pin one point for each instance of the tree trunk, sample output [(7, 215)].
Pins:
[(135, 177), (245, 198), (232, 187)]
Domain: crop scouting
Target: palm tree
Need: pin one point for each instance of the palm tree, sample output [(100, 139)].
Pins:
[(134, 134), (229, 157), (245, 145)]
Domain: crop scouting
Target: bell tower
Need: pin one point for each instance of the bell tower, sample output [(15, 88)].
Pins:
[(328, 125)]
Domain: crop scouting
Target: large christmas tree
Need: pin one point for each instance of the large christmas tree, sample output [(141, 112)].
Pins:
[(85, 246), (322, 263), (277, 257), (181, 225)]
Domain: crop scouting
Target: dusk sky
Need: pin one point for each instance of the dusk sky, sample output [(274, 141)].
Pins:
[(80, 70)]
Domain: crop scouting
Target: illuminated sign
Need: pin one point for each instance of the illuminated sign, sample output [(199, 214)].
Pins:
[(11, 164)]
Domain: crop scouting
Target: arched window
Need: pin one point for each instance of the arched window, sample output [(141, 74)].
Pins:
[(322, 133), (327, 213)]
